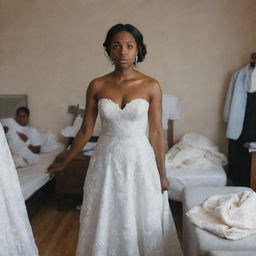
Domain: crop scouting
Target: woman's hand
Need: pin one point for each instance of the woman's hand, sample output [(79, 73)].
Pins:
[(55, 167), (164, 183)]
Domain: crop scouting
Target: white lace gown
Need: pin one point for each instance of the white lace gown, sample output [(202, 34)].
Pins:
[(124, 212), (16, 238)]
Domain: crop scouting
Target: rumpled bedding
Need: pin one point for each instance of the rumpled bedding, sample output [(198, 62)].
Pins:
[(194, 151), (231, 216), (49, 142)]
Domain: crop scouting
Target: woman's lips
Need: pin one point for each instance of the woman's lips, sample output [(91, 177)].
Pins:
[(123, 61)]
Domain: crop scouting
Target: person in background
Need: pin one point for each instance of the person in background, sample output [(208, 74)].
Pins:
[(31, 136)]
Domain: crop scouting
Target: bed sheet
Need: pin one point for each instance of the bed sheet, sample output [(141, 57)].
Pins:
[(33, 177), (181, 178)]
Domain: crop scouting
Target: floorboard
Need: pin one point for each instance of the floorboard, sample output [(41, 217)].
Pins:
[(56, 232)]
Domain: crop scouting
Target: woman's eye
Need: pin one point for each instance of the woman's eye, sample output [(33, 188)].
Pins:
[(130, 46), (116, 46)]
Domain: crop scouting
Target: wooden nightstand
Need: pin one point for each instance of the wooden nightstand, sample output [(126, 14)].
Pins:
[(252, 150), (253, 172), (70, 181)]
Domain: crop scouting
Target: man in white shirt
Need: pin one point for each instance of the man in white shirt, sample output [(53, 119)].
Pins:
[(31, 136)]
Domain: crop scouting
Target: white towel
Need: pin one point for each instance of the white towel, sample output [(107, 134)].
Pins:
[(230, 216)]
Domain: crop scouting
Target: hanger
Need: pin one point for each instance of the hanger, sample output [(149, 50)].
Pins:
[(253, 60)]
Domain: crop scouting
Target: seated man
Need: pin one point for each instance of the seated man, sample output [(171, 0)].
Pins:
[(31, 136)]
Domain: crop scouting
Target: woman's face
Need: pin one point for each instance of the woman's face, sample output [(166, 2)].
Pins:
[(123, 49)]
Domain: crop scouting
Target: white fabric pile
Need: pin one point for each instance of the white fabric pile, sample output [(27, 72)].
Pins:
[(194, 151), (49, 142), (231, 216)]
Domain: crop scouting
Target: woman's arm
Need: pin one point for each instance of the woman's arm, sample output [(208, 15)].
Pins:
[(156, 134), (85, 132)]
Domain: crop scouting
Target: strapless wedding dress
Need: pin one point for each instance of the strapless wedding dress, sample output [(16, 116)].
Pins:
[(16, 238), (124, 212)]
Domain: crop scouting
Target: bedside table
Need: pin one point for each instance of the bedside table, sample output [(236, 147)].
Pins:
[(70, 180)]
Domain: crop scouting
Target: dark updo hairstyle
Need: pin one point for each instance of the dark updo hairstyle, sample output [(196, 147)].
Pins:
[(142, 51)]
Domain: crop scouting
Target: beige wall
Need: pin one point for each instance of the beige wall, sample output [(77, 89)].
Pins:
[(51, 50)]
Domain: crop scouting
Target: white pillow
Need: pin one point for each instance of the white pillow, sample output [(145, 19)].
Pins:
[(72, 130), (49, 142)]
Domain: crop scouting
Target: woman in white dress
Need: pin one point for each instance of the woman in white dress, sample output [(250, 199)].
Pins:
[(125, 210), (16, 238)]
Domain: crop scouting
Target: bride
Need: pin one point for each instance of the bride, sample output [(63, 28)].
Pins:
[(16, 236), (125, 210)]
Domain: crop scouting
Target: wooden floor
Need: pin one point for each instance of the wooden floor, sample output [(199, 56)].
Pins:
[(56, 232)]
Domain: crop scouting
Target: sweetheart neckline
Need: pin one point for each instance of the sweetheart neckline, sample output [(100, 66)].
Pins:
[(125, 104)]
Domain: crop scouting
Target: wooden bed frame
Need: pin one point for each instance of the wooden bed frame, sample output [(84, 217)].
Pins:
[(170, 135)]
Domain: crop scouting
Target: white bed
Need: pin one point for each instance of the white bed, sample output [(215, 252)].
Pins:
[(33, 177), (187, 177), (181, 178)]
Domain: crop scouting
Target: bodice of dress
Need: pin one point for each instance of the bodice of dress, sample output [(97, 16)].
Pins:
[(131, 121)]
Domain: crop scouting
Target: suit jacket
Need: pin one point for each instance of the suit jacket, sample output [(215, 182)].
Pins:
[(234, 110)]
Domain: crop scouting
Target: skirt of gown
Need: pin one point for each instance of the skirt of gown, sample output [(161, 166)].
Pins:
[(124, 212), (16, 238)]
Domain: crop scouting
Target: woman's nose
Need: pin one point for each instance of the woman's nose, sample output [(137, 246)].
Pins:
[(123, 51)]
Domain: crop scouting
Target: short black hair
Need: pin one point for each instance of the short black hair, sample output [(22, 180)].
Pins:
[(23, 109), (142, 51)]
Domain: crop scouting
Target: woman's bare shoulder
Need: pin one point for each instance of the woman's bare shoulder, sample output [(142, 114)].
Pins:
[(97, 84), (150, 83)]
